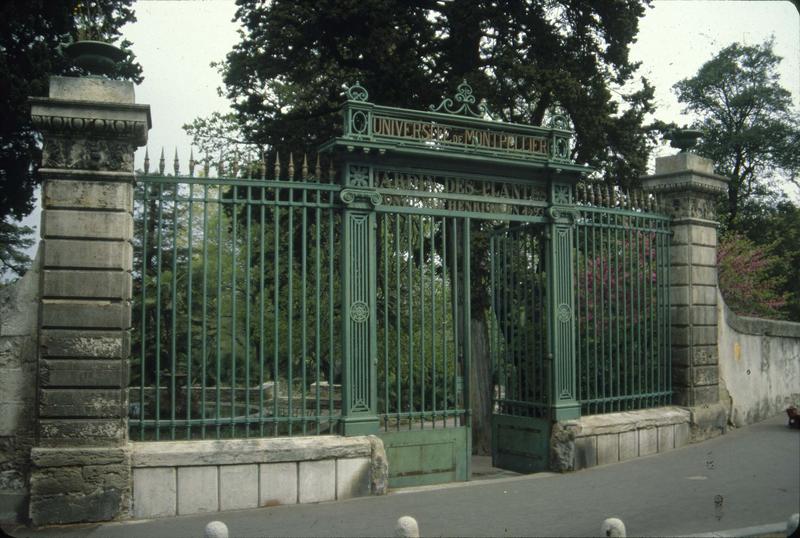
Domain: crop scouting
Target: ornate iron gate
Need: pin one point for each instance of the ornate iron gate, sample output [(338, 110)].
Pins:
[(297, 305), (519, 349)]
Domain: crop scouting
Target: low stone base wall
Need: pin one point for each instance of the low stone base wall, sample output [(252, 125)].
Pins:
[(614, 437), (190, 477)]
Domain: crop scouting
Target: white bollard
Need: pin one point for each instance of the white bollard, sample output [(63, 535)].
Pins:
[(216, 529), (792, 524), (406, 527), (613, 527)]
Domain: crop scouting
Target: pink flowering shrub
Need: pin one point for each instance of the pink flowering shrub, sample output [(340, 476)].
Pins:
[(747, 279)]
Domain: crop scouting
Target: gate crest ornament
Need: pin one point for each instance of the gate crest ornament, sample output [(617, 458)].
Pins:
[(465, 97)]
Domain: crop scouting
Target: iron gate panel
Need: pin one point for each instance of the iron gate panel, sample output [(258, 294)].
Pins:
[(519, 349), (423, 301)]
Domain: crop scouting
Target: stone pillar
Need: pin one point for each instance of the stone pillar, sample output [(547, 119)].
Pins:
[(81, 466), (689, 189)]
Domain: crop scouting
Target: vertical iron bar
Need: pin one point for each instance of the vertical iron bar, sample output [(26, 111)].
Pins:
[(158, 308), (143, 329), (233, 311), (247, 301), (189, 315), (410, 253), (304, 310), (173, 312), (219, 312), (262, 271), (205, 313)]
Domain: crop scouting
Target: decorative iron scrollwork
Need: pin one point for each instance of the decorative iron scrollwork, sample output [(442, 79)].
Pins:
[(466, 98), (349, 196), (359, 311), (357, 92)]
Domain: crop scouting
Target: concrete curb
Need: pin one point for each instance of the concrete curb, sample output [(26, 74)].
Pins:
[(758, 530)]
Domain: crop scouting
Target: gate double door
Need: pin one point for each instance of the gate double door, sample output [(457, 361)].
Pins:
[(519, 349)]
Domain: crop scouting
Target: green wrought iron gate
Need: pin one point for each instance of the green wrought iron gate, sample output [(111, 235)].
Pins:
[(519, 349), (280, 300)]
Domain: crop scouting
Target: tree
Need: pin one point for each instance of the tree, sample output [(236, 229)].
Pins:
[(751, 130), (31, 33), (286, 76)]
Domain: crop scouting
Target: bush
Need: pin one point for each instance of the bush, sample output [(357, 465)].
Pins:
[(747, 278)]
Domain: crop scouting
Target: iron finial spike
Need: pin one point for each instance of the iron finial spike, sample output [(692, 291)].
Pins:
[(162, 163), (235, 164), (331, 171), (192, 162), (263, 165), (304, 168), (146, 160), (291, 166), (206, 166), (277, 166), (606, 196), (613, 199), (317, 169), (176, 166), (221, 165)]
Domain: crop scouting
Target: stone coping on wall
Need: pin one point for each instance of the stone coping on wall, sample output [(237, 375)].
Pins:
[(614, 437), (759, 326), (244, 451), (630, 420)]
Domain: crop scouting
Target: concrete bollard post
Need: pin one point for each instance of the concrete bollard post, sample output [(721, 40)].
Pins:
[(406, 527), (793, 524), (216, 529), (613, 527)]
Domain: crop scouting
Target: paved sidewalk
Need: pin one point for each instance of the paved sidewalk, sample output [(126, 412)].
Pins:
[(747, 478)]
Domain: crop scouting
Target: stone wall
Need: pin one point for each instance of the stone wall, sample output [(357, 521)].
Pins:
[(190, 477), (18, 333), (614, 437), (759, 362)]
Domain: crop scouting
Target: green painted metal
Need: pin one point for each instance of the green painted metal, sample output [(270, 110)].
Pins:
[(622, 301), (237, 302), (300, 305), (423, 457), (520, 347)]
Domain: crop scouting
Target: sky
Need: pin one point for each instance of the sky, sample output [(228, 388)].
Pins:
[(175, 41)]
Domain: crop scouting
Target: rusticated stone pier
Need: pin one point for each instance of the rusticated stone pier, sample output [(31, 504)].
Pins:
[(81, 463)]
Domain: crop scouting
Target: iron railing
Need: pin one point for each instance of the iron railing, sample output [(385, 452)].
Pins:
[(622, 301), (421, 297), (236, 304)]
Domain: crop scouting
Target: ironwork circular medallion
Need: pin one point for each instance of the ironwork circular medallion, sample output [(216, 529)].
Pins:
[(564, 312), (359, 311)]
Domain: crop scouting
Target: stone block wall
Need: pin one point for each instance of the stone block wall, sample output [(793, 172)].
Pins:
[(18, 334), (190, 477), (615, 437), (759, 362)]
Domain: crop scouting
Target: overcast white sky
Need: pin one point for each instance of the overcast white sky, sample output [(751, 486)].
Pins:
[(176, 40)]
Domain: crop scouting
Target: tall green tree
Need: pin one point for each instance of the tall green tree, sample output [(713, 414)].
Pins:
[(751, 130), (286, 75), (285, 79), (31, 33)]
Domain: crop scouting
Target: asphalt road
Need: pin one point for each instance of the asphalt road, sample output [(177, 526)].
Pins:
[(746, 478)]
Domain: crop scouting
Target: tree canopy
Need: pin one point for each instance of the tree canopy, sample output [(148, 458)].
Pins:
[(31, 34), (286, 75), (750, 128), (751, 132)]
